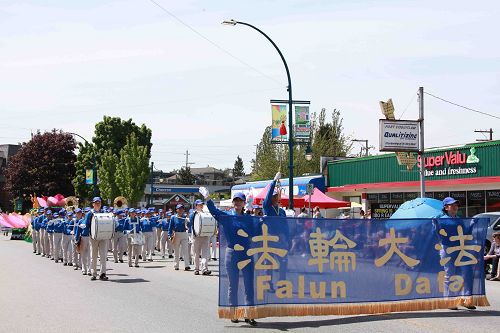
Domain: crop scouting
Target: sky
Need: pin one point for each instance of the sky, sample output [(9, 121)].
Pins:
[(205, 87)]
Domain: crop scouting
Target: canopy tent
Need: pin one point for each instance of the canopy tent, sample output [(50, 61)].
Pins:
[(321, 200), (284, 202), (353, 205)]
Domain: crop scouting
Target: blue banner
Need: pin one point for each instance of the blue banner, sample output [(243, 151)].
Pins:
[(275, 266)]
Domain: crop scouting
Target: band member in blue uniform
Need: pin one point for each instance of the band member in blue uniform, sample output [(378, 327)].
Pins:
[(57, 236), (177, 232), (147, 230), (200, 244), (97, 246), (50, 233), (119, 238), (232, 257), (165, 244), (133, 229)]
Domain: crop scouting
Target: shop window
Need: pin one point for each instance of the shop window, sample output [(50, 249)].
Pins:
[(441, 195), (384, 198), (397, 197), (461, 196), (475, 202), (493, 201), (429, 195), (411, 195)]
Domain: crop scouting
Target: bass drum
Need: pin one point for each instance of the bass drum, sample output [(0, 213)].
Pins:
[(102, 226), (204, 224)]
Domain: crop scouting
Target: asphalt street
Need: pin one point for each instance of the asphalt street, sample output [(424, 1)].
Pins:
[(37, 295)]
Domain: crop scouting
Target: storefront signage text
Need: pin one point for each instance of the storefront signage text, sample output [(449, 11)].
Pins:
[(450, 163)]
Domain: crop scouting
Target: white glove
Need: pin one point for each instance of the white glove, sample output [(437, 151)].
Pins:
[(204, 192), (278, 176)]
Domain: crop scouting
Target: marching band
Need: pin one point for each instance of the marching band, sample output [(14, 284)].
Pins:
[(80, 238)]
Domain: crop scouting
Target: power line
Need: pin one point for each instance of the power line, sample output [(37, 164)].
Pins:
[(213, 43), (461, 106), (412, 100)]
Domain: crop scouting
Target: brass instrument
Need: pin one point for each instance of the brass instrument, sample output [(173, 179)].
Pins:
[(71, 203), (120, 202)]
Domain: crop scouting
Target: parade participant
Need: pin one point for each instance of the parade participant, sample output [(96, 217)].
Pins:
[(159, 217), (200, 244), (67, 239), (133, 228), (50, 233), (177, 228), (449, 222), (232, 257), (82, 240), (43, 234), (77, 258), (154, 219), (147, 230), (97, 247), (58, 229), (34, 231), (119, 238), (493, 257), (164, 240), (271, 202)]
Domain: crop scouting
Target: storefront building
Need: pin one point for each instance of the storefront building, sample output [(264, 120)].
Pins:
[(470, 173)]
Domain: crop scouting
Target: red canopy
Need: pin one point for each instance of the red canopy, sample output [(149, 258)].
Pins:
[(259, 199), (321, 200)]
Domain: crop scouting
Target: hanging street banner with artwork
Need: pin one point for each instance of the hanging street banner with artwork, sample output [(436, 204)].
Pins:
[(279, 126), (276, 266), (302, 124)]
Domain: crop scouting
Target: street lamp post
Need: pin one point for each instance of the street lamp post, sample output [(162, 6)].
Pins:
[(94, 165), (290, 123)]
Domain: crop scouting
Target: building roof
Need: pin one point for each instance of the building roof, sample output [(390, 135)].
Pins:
[(208, 169)]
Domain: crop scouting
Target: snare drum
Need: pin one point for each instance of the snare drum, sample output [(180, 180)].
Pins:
[(102, 226), (204, 224), (137, 238)]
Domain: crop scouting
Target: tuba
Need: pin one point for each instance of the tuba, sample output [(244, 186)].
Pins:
[(71, 203), (120, 202)]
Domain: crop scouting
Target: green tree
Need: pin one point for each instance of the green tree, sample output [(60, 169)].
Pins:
[(268, 157), (133, 170), (185, 177), (111, 134), (238, 169), (107, 176)]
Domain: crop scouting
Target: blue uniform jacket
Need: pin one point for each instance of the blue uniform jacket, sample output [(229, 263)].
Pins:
[(58, 226), (43, 222), (129, 226), (267, 206), (69, 225), (177, 224), (50, 226), (154, 220), (120, 225), (163, 224), (147, 225), (84, 226)]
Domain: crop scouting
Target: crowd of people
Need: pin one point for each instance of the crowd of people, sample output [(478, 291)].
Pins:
[(65, 236)]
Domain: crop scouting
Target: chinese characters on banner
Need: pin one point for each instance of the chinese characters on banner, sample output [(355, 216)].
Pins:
[(275, 266)]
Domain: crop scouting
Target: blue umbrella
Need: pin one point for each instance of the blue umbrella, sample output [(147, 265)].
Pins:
[(414, 211)]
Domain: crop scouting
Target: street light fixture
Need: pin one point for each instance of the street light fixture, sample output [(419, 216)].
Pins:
[(308, 154), (290, 123)]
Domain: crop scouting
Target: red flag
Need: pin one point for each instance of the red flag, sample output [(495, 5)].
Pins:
[(282, 128)]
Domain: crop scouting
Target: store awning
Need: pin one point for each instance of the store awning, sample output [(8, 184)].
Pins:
[(321, 200)]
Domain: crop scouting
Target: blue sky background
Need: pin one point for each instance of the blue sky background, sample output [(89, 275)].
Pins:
[(65, 64)]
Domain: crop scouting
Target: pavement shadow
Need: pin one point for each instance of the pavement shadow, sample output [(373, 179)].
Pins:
[(129, 280), (285, 326), (153, 266), (117, 274)]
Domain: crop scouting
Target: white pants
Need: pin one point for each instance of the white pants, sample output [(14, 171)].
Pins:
[(133, 251), (213, 249), (180, 244), (67, 248), (85, 253), (39, 247), (56, 245), (200, 248), (98, 247), (158, 239), (45, 242), (147, 248), (119, 245), (50, 236), (154, 240), (34, 238), (165, 243)]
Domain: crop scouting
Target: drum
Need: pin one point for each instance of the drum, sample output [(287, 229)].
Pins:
[(204, 224), (137, 238), (102, 226)]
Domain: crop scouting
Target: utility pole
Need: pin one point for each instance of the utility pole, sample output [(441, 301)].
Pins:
[(151, 183), (366, 145), (490, 131), (187, 159), (421, 150)]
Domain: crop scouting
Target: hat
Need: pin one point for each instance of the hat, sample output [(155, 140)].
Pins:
[(496, 234), (96, 199), (256, 207), (151, 209), (105, 207), (449, 201), (48, 211), (169, 213), (160, 210), (55, 215), (198, 202), (41, 210), (179, 206), (69, 214), (131, 210), (86, 209), (77, 210), (118, 211), (239, 195)]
